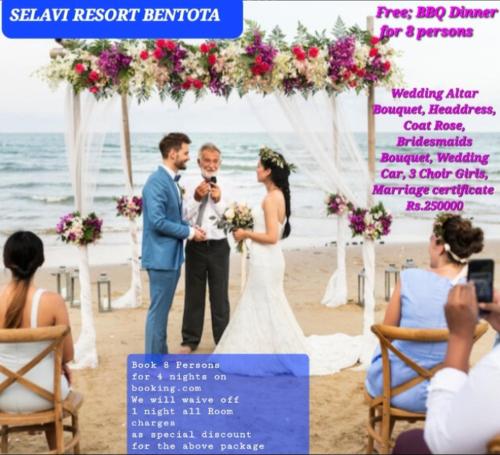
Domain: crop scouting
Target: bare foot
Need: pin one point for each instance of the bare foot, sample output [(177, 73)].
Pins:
[(185, 350)]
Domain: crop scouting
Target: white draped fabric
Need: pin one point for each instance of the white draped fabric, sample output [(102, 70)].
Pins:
[(86, 121), (323, 148), (336, 289), (133, 297)]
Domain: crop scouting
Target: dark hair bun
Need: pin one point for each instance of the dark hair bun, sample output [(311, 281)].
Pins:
[(463, 238)]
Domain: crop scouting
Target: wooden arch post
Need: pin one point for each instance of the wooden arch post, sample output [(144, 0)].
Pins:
[(371, 125)]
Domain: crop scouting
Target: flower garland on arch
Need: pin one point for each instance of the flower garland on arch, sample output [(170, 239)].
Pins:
[(350, 59), (372, 223)]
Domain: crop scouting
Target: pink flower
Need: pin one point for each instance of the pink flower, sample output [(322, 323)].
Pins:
[(300, 55), (170, 45), (144, 55), (265, 67), (313, 52), (79, 68), (158, 53), (93, 76), (212, 59)]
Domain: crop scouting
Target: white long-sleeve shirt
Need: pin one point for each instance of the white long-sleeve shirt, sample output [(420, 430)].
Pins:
[(463, 411), (213, 211)]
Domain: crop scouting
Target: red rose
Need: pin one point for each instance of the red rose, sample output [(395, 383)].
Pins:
[(373, 52), (313, 52), (186, 85), (79, 68), (204, 48), (296, 49), (300, 55), (197, 84), (158, 53), (347, 75), (255, 70), (212, 45), (212, 59), (170, 45), (93, 89), (387, 66), (258, 59), (144, 55), (160, 43), (353, 68), (352, 84), (361, 72), (93, 76), (264, 67), (374, 40)]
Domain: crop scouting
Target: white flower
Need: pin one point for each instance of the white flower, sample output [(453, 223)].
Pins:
[(229, 215)]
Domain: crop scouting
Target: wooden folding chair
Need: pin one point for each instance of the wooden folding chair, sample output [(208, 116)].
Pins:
[(380, 409), (36, 421), (494, 445)]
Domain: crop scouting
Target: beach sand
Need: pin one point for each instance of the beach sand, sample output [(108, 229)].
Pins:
[(338, 413)]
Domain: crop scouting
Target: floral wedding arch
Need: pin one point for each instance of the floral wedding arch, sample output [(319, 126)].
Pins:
[(349, 59)]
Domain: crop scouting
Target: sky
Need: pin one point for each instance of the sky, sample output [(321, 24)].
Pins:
[(28, 105)]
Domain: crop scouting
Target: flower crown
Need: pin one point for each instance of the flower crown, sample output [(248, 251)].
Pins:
[(269, 155), (438, 228)]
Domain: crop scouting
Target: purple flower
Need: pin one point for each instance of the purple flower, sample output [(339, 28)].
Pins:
[(112, 62), (341, 56)]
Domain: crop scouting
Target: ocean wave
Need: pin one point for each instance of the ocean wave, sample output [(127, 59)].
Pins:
[(52, 199)]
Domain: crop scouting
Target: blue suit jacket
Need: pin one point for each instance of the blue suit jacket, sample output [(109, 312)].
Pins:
[(164, 230)]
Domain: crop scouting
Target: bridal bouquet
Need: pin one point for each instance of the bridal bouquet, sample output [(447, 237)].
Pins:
[(129, 207), (77, 230), (336, 204), (371, 223), (236, 216)]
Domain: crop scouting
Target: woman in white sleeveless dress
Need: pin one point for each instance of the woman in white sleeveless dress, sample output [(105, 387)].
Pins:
[(263, 322), (22, 305)]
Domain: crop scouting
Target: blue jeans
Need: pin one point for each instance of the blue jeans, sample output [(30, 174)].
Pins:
[(162, 285)]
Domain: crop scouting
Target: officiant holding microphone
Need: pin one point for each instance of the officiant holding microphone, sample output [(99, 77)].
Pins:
[(207, 261)]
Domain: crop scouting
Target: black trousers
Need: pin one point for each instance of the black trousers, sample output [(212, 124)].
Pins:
[(205, 262)]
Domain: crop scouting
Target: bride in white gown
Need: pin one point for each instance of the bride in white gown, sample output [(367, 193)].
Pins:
[(263, 322)]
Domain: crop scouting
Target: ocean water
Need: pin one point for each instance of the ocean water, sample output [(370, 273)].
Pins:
[(35, 189)]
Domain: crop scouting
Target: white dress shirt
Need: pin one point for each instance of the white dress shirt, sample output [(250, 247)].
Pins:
[(213, 210), (463, 411), (173, 174)]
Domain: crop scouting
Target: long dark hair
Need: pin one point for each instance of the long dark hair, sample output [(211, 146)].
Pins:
[(280, 172), (22, 255)]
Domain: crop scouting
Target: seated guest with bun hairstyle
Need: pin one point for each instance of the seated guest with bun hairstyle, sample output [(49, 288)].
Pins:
[(418, 302)]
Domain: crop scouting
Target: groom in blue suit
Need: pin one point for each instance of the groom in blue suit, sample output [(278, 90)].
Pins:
[(163, 235)]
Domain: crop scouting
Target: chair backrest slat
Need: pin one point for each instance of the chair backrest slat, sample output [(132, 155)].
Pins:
[(55, 334), (388, 334)]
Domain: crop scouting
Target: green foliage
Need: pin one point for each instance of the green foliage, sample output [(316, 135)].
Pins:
[(98, 46), (277, 38), (339, 29)]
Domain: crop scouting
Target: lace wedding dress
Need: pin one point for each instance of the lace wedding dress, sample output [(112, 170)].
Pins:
[(263, 322)]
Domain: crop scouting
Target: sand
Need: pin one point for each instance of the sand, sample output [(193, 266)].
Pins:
[(338, 414)]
